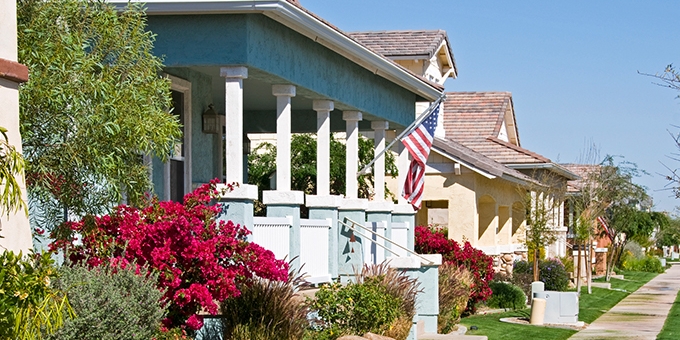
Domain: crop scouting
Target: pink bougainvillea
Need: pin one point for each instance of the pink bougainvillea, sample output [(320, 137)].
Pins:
[(435, 241), (200, 260)]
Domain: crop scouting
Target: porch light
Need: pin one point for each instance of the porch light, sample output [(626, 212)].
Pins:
[(211, 121), (246, 144)]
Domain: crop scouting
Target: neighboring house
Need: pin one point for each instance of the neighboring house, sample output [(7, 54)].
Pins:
[(14, 229), (424, 52), (477, 199), (485, 122)]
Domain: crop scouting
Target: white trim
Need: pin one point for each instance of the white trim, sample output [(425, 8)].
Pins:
[(473, 168), (184, 86), (305, 24)]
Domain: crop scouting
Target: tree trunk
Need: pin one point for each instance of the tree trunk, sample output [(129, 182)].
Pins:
[(578, 269), (610, 262), (589, 267), (536, 265)]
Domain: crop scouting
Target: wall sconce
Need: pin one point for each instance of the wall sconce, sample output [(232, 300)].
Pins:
[(211, 121), (246, 144)]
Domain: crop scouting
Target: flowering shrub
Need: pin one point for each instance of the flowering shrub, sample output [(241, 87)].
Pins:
[(551, 272), (198, 260), (435, 241)]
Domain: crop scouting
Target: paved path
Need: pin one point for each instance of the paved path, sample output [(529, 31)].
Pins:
[(640, 315)]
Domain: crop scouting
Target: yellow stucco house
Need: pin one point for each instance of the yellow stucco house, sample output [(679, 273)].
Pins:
[(483, 206)]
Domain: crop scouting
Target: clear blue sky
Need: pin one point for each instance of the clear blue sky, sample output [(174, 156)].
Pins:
[(571, 67)]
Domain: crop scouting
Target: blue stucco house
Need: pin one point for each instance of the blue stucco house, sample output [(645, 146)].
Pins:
[(271, 66)]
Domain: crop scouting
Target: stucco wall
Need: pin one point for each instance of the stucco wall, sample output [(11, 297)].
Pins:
[(261, 43), (464, 193), (15, 227)]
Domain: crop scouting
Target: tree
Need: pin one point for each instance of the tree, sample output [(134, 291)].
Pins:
[(623, 203), (668, 235), (94, 106), (542, 201), (670, 78), (11, 166), (587, 204), (262, 165)]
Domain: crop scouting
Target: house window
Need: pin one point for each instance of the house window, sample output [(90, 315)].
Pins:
[(177, 171)]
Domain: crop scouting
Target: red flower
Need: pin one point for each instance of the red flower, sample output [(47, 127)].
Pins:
[(199, 260)]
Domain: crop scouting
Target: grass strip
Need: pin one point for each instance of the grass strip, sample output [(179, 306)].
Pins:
[(491, 326), (671, 328), (591, 306)]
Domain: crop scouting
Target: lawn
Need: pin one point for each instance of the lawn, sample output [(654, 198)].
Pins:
[(671, 329), (591, 306)]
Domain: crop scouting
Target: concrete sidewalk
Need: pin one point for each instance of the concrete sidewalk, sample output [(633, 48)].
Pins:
[(640, 315)]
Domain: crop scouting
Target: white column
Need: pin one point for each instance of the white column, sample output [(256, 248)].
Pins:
[(352, 119), (402, 165), (233, 89), (323, 110), (283, 95), (379, 127)]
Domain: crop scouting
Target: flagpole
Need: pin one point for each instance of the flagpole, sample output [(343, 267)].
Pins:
[(408, 129)]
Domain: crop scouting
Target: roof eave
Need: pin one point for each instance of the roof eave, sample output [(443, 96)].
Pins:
[(466, 164), (303, 23), (547, 166)]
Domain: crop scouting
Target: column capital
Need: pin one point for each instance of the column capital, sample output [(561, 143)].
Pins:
[(239, 72), (323, 105), (352, 116), (380, 125), (283, 90)]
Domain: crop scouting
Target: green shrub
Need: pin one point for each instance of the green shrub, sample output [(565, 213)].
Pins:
[(506, 295), (30, 306), (266, 309), (455, 287), (551, 272), (635, 250), (110, 302), (648, 264), (382, 302)]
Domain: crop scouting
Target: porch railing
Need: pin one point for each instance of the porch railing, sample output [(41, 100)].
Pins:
[(273, 233), (354, 226)]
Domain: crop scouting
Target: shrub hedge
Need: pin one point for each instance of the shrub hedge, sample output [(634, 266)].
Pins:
[(435, 241), (506, 295), (551, 272)]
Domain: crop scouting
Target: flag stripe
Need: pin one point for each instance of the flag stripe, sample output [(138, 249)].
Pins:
[(419, 142)]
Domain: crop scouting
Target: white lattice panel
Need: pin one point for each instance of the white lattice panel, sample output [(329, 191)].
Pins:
[(273, 233), (314, 245), (400, 237)]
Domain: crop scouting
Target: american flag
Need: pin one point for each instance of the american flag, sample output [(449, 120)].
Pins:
[(418, 142), (606, 227)]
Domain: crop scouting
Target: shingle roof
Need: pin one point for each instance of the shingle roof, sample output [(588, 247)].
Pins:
[(475, 118), (582, 170), (471, 115), (402, 43), (478, 160)]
